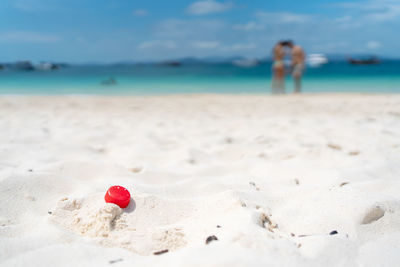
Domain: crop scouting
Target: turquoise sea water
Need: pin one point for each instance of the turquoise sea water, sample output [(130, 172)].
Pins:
[(197, 78)]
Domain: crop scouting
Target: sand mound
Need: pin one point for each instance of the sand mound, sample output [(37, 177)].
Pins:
[(110, 225), (95, 222)]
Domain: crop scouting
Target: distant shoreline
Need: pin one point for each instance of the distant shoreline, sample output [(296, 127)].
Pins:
[(202, 95)]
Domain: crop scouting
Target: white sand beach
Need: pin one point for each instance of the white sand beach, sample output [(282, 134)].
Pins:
[(270, 177)]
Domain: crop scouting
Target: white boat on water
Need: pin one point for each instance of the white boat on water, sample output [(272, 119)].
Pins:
[(316, 60), (45, 66)]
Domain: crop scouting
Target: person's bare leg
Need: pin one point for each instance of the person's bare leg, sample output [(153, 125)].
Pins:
[(297, 84), (297, 81), (274, 85), (280, 73), (277, 82)]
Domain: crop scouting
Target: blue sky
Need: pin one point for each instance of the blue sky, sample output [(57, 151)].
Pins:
[(132, 30)]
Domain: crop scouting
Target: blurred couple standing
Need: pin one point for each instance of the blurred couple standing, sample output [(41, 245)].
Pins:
[(296, 67)]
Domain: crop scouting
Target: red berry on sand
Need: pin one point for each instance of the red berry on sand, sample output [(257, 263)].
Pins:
[(118, 195)]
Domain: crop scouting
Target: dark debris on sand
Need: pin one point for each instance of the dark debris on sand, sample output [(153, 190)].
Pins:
[(161, 252), (115, 261), (210, 239)]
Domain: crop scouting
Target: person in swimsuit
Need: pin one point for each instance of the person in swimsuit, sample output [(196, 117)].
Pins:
[(278, 69), (298, 58)]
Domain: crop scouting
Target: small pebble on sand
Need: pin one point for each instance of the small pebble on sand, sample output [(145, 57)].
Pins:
[(115, 261), (335, 147), (136, 169), (210, 239), (354, 153), (161, 252)]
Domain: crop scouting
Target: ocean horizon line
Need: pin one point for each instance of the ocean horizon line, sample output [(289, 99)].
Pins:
[(193, 60)]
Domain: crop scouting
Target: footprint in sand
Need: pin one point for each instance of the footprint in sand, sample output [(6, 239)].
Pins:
[(373, 215)]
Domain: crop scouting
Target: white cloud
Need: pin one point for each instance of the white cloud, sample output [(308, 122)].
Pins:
[(206, 45), (343, 19), (28, 37), (158, 44), (328, 47), (34, 5), (174, 28), (140, 12), (249, 26), (375, 10), (373, 45), (23, 6), (208, 7), (282, 17), (392, 13), (345, 22), (240, 47)]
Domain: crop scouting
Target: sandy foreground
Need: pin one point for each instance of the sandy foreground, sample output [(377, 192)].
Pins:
[(269, 177)]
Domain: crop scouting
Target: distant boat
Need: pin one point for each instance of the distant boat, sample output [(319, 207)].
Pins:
[(316, 60), (46, 66), (246, 63), (369, 61), (24, 65), (172, 63), (109, 81)]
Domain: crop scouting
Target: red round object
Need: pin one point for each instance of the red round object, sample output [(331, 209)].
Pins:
[(118, 195)]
